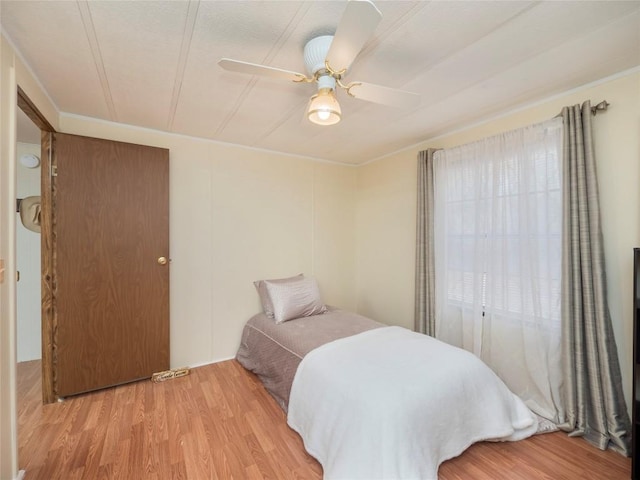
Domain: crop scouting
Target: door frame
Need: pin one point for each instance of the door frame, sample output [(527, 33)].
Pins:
[(46, 242)]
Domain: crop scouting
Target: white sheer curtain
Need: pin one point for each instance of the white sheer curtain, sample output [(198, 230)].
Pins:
[(498, 225)]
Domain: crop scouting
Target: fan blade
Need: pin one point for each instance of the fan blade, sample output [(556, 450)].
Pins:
[(383, 95), (255, 69), (358, 22)]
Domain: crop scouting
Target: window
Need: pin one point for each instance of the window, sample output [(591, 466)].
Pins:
[(498, 227), (505, 237)]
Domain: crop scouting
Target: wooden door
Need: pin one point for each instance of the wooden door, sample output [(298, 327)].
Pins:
[(111, 226)]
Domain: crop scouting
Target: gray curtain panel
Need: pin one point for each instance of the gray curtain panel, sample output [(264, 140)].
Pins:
[(592, 389), (425, 265)]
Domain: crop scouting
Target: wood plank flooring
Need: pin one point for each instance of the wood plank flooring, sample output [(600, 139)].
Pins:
[(219, 423)]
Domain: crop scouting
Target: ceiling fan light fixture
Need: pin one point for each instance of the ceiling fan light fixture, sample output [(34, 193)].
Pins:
[(324, 108), (327, 59)]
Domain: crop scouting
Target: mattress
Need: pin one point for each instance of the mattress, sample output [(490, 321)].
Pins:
[(274, 351)]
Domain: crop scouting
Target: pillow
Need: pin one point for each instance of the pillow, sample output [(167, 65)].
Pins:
[(295, 299), (267, 306)]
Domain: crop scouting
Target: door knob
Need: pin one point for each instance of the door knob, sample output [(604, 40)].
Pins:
[(162, 260)]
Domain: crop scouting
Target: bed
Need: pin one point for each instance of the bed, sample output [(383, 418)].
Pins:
[(372, 401)]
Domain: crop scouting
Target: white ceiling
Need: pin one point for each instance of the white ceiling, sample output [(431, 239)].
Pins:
[(154, 64)]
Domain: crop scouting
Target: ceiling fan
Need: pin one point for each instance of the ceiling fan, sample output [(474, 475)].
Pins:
[(327, 59)]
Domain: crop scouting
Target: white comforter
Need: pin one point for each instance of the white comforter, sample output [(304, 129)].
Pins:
[(393, 404)]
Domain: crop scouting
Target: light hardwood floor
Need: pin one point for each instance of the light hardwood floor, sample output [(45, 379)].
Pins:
[(219, 423)]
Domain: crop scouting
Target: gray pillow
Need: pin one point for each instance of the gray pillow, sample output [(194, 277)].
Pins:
[(294, 299), (267, 306)]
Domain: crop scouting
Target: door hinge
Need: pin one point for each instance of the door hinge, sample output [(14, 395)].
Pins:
[(1, 270), (54, 170)]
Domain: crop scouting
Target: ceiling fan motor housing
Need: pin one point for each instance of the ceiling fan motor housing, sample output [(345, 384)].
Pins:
[(315, 53)]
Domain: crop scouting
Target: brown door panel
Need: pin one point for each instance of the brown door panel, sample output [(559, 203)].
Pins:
[(111, 224)]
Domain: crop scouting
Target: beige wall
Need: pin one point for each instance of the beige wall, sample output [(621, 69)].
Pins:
[(386, 208), (238, 215), (8, 444), (385, 239), (28, 313), (12, 74)]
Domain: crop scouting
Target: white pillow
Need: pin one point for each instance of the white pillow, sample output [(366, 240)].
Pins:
[(295, 299), (267, 306)]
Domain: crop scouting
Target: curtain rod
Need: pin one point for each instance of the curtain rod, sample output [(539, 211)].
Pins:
[(601, 107)]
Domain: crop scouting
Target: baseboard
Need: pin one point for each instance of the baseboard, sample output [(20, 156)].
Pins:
[(20, 475), (211, 362)]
